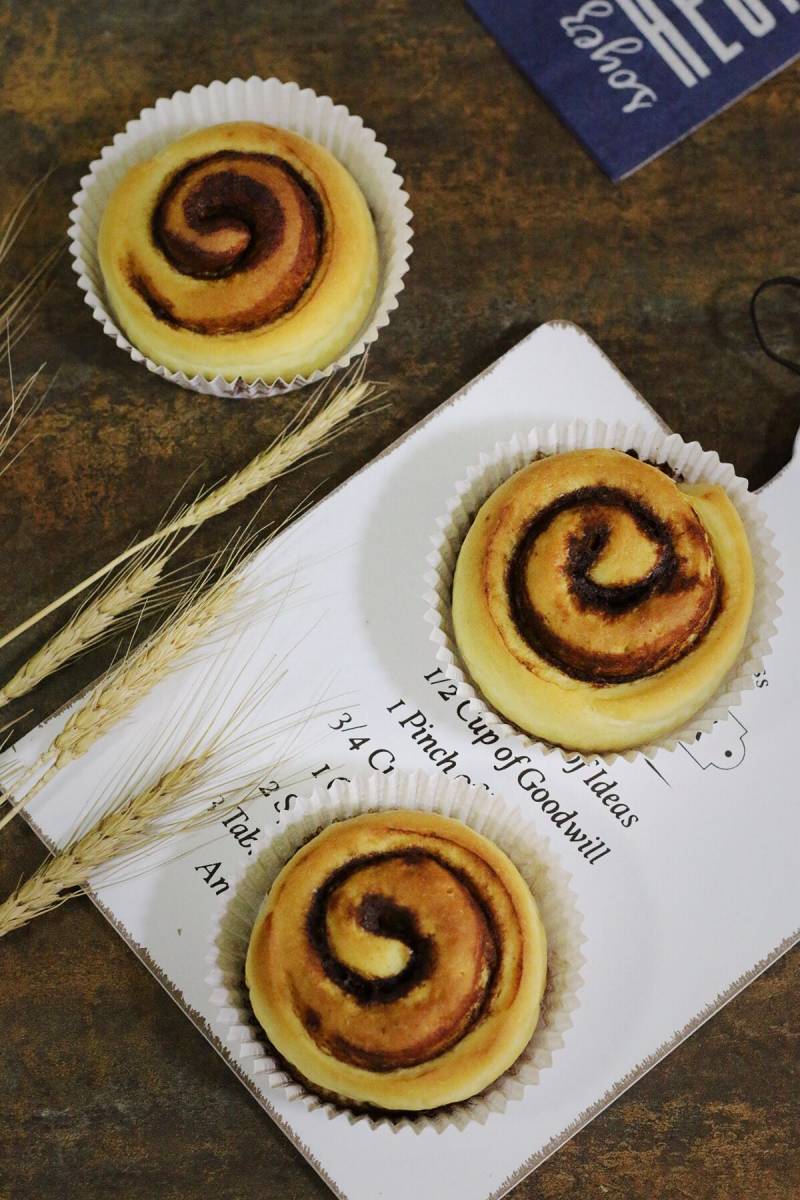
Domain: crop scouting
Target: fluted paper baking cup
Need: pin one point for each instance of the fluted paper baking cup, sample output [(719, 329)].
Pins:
[(651, 445), (275, 103), (490, 816)]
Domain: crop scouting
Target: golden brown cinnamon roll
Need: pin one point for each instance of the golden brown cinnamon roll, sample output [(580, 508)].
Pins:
[(398, 962), (240, 250), (597, 603)]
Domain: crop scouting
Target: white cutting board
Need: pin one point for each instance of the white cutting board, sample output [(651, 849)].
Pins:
[(690, 904)]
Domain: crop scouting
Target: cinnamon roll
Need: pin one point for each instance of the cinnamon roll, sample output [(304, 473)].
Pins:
[(398, 962), (240, 250), (597, 603)]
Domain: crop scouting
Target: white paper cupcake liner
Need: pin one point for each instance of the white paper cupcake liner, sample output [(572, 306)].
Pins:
[(489, 816), (651, 445), (282, 104)]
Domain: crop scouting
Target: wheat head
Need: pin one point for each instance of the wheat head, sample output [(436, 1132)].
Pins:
[(85, 629), (213, 778), (276, 460), (121, 831), (128, 683), (150, 663)]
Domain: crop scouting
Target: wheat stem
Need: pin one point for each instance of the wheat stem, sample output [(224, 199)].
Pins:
[(18, 306), (276, 460), (121, 831), (127, 684), (15, 419), (85, 629), (16, 219), (184, 798)]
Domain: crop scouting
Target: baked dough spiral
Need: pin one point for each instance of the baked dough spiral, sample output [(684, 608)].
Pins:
[(597, 603), (398, 962), (240, 250)]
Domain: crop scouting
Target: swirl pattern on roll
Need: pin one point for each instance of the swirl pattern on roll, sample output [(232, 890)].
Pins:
[(367, 915), (394, 948), (250, 220), (597, 602), (609, 589), (242, 250)]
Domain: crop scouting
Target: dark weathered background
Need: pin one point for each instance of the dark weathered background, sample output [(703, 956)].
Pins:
[(106, 1088)]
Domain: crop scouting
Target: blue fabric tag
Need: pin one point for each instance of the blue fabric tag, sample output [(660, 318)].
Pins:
[(632, 77)]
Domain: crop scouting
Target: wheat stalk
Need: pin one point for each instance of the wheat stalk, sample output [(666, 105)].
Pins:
[(183, 798), (149, 664), (116, 695), (12, 423), (18, 306), (85, 629), (17, 309), (108, 610), (135, 825), (279, 458), (21, 408), (122, 830), (17, 218), (276, 460)]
